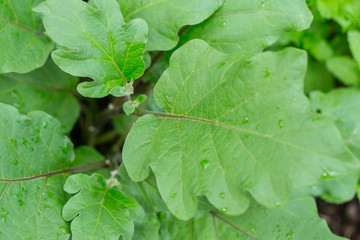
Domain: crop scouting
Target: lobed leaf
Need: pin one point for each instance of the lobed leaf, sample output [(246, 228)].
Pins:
[(32, 148), (166, 17), (96, 211), (251, 26), (295, 220), (24, 46), (234, 127), (95, 42), (47, 89)]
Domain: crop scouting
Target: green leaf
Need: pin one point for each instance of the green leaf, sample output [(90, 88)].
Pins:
[(98, 212), (96, 43), (251, 26), (32, 148), (47, 89), (297, 219), (122, 123), (148, 196), (345, 69), (86, 155), (342, 105), (165, 18), (354, 44), (344, 12), (234, 126), (318, 77), (145, 193), (24, 47), (148, 229), (130, 106)]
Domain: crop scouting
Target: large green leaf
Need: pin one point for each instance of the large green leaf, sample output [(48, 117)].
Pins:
[(297, 219), (31, 149), (232, 127), (251, 26), (97, 211), (96, 43), (166, 17), (24, 47), (342, 105), (47, 89)]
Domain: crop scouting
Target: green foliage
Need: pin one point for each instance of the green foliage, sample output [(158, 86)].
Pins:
[(342, 105), (97, 211), (96, 42), (24, 46), (47, 89), (250, 26), (345, 12), (258, 222), (169, 18), (193, 96), (32, 147), (208, 132)]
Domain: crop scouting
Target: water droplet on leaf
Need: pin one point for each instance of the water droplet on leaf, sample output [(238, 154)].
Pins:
[(281, 123), (45, 124), (222, 195), (224, 210), (204, 163), (25, 142)]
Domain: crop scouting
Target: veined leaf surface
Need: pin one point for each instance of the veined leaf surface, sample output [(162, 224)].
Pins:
[(166, 17), (251, 26), (233, 127), (95, 42), (97, 211), (32, 147), (24, 47), (47, 89)]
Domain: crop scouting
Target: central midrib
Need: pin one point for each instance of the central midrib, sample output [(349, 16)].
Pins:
[(22, 26)]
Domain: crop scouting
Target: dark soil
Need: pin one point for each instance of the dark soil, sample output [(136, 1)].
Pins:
[(343, 219)]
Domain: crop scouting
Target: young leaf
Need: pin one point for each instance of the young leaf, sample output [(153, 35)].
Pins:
[(24, 47), (96, 43), (165, 18), (345, 69), (98, 212), (234, 126), (32, 148), (297, 219), (251, 26), (354, 44), (47, 89)]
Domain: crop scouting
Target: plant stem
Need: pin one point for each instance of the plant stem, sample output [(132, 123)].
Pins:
[(232, 225), (79, 168), (22, 26)]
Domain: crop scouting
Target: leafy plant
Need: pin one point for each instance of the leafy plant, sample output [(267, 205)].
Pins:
[(189, 118)]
